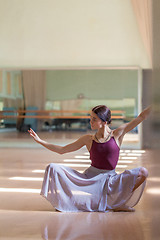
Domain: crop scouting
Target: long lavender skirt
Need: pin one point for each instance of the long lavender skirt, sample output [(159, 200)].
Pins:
[(95, 190)]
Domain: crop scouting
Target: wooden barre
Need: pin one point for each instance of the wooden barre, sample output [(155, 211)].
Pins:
[(54, 117), (56, 111)]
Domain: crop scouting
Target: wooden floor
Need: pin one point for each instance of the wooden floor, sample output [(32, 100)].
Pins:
[(24, 214)]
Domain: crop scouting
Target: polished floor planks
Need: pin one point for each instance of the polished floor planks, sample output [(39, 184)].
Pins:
[(27, 215)]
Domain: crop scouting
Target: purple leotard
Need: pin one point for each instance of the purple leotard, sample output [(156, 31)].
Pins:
[(104, 155)]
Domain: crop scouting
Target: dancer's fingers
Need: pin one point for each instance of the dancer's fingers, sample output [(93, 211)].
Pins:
[(32, 135), (31, 130)]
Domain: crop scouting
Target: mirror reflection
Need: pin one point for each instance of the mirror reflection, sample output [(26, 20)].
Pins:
[(61, 100), (64, 226)]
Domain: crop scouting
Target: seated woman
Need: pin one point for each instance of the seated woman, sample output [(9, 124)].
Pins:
[(99, 188)]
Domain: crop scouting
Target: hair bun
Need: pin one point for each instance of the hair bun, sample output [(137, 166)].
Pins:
[(109, 121), (103, 112)]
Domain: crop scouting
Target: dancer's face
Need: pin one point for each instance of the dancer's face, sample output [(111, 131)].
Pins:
[(96, 122)]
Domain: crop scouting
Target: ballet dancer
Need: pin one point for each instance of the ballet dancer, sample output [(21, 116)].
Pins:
[(99, 188)]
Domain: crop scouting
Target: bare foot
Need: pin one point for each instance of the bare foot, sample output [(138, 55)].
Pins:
[(124, 209)]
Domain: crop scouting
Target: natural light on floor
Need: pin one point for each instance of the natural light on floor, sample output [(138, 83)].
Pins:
[(82, 161), (154, 179), (26, 179), (20, 190), (155, 191), (29, 190)]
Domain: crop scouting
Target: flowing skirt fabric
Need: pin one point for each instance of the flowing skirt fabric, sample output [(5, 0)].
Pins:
[(95, 190)]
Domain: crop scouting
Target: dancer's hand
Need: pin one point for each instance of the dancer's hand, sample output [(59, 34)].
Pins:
[(34, 135), (146, 112)]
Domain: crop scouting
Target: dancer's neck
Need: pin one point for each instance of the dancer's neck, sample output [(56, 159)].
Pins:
[(103, 132)]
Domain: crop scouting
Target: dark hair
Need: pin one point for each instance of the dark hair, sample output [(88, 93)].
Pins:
[(103, 112)]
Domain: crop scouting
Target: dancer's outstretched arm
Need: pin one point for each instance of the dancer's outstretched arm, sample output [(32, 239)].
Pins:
[(60, 149), (123, 129)]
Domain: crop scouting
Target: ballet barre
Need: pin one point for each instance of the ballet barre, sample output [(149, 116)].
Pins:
[(21, 114)]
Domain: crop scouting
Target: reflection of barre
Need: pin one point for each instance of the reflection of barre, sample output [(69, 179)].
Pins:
[(56, 111), (19, 114), (55, 117)]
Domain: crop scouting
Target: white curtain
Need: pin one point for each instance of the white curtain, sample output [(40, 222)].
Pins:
[(34, 87), (143, 12)]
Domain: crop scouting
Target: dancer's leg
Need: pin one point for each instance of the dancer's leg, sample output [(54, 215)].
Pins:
[(143, 174)]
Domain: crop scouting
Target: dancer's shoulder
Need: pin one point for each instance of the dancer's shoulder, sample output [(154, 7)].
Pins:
[(118, 134), (88, 137)]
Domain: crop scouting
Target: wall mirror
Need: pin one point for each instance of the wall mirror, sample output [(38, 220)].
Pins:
[(60, 100)]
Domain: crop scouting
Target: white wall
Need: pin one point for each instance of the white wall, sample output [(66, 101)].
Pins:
[(55, 33)]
